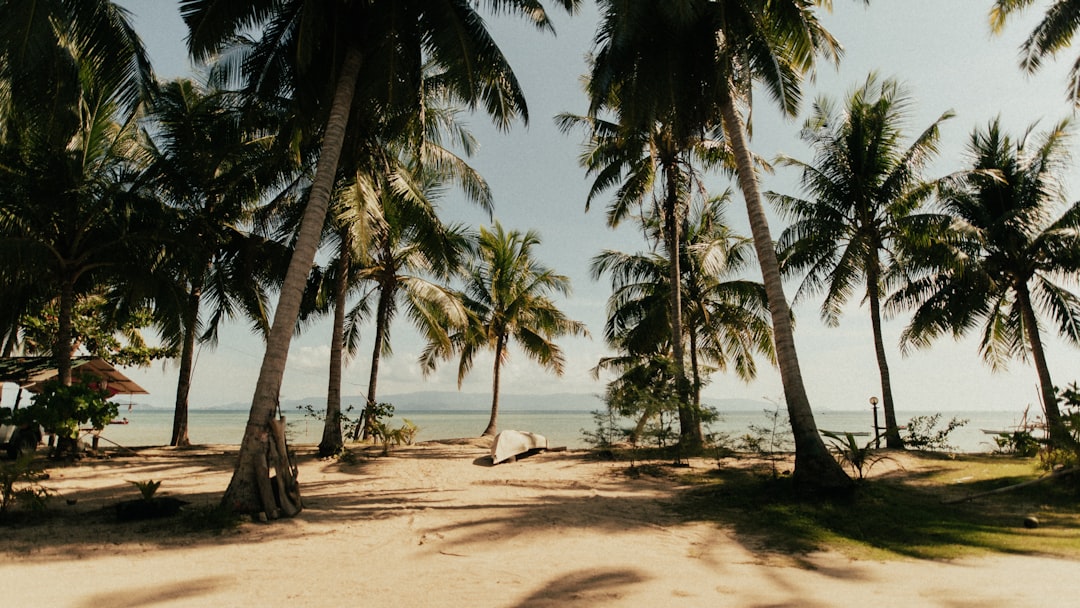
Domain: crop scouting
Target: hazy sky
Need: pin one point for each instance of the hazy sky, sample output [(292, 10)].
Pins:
[(942, 50)]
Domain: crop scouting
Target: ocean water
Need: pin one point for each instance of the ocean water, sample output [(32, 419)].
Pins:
[(147, 427)]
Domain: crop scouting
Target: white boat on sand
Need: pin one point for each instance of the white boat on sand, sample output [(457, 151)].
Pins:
[(509, 444)]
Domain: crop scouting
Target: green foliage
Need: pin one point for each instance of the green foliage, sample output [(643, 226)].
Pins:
[(19, 485), (860, 459), (607, 431), (348, 423), (387, 435), (1066, 456), (922, 433), (895, 517), (1018, 443), (63, 409), (769, 440), (98, 329), (147, 488)]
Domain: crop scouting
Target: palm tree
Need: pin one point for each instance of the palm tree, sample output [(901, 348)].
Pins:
[(337, 60), (390, 235), (726, 320), (409, 256), (1051, 35), (1004, 256), (652, 170), (691, 63), (74, 214), (49, 48), (506, 297), (213, 167), (864, 189), (73, 74)]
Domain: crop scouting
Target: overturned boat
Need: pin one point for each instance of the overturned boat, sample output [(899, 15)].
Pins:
[(509, 444)]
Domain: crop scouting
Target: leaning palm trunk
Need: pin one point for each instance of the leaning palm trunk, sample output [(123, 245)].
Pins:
[(1059, 435), (814, 465), (892, 430), (493, 421), (249, 490), (382, 327), (332, 441)]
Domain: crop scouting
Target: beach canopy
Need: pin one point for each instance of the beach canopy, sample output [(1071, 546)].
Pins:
[(31, 372), (510, 444)]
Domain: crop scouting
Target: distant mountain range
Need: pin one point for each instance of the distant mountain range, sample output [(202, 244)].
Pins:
[(436, 401)]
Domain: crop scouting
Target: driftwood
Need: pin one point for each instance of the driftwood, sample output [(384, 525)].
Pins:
[(1054, 475)]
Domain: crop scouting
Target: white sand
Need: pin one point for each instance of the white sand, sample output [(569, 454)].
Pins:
[(435, 525)]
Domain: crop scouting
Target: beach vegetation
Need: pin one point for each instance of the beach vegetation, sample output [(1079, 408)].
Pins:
[(655, 173), (771, 441), (214, 166), (1052, 34), (63, 410), (73, 74), (307, 52), (909, 511), (1020, 442), (20, 485), (859, 458), (725, 320), (690, 67), (863, 191)]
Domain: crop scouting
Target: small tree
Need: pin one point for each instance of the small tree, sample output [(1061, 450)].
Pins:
[(62, 410)]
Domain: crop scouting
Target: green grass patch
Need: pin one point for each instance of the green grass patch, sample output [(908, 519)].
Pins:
[(899, 514)]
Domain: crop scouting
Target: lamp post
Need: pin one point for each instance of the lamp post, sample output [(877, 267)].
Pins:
[(877, 435)]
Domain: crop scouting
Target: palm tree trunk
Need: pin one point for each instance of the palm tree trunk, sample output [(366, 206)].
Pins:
[(492, 425), (689, 436), (1059, 435), (382, 327), (815, 468), (695, 373), (187, 358), (892, 430), (332, 441), (62, 348), (249, 489)]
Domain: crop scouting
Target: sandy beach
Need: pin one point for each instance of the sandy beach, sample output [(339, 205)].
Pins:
[(436, 525)]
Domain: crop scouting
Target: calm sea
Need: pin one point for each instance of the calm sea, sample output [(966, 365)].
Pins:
[(154, 426)]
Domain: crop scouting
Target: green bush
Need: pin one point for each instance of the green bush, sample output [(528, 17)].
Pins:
[(62, 410), (922, 433), (19, 485), (1018, 443)]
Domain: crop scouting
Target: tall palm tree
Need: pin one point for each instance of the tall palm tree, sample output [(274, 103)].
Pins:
[(73, 211), (335, 60), (213, 166), (1013, 239), (409, 257), (692, 63), (1054, 33), (653, 172), (726, 322), (506, 297), (864, 190)]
